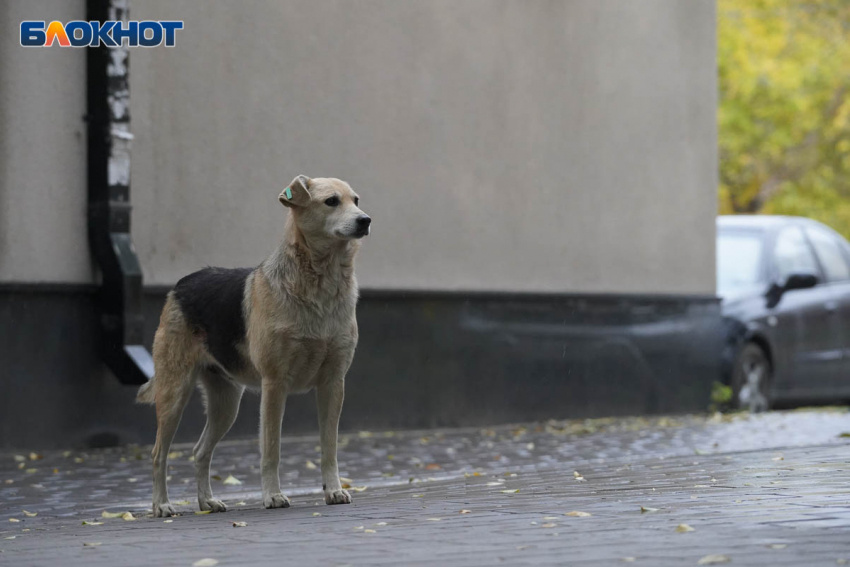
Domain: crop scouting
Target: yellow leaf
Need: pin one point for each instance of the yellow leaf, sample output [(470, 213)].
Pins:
[(466, 511), (106, 514), (684, 528), (344, 479), (20, 458), (128, 517), (310, 465), (714, 560), (91, 543), (381, 524), (417, 496), (240, 524), (514, 491), (167, 521), (35, 457), (495, 483), (175, 454), (85, 523), (550, 517), (215, 477), (778, 546), (202, 512), (358, 488), (644, 509), (369, 532), (550, 525), (183, 502), (30, 471), (30, 514), (317, 513), (434, 519), (232, 480), (14, 520), (577, 514)]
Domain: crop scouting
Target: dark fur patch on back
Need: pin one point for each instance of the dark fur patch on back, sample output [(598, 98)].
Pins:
[(211, 300)]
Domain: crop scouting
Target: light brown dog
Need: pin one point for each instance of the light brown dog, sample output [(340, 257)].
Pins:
[(285, 327)]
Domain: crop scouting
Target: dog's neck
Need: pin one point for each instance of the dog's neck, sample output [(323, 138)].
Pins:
[(308, 266)]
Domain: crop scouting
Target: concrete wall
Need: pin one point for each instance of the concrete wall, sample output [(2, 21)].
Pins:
[(42, 151), (519, 145)]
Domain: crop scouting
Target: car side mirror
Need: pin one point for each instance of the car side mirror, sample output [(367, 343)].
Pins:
[(796, 280)]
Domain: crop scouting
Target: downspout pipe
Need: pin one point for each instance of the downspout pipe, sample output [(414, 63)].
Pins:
[(119, 298)]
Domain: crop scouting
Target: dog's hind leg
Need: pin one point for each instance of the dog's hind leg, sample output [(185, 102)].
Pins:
[(221, 398), (176, 353)]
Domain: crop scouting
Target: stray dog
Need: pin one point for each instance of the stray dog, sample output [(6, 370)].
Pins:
[(285, 327)]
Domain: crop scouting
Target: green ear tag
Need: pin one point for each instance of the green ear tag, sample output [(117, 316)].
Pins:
[(288, 193)]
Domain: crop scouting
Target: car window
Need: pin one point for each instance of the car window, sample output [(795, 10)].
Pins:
[(791, 253), (738, 260), (828, 249)]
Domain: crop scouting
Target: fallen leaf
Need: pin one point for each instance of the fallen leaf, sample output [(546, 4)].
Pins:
[(215, 477), (550, 525), (30, 471), (577, 514), (9, 481), (433, 467), (434, 519), (778, 546), (381, 524), (714, 560), (79, 460), (36, 457), (530, 446), (844, 434), (14, 520), (417, 496), (240, 524), (343, 479), (496, 483), (86, 523), (628, 559), (132, 479), (310, 465), (175, 454), (466, 511), (182, 502), (514, 491), (550, 517), (317, 514), (231, 480), (20, 458), (358, 488), (106, 514), (644, 509), (684, 528), (346, 485), (10, 537), (30, 514), (358, 527), (206, 562), (202, 512), (128, 517), (240, 503), (91, 543), (66, 454), (167, 521), (369, 532)]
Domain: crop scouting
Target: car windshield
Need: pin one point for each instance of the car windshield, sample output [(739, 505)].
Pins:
[(738, 260)]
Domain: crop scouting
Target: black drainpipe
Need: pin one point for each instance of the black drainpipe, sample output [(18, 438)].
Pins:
[(109, 138)]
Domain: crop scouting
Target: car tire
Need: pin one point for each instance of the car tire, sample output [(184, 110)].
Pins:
[(751, 378)]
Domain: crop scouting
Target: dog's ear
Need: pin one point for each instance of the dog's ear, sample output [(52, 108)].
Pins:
[(297, 194)]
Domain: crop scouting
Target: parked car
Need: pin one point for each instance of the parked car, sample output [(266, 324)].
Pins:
[(785, 289)]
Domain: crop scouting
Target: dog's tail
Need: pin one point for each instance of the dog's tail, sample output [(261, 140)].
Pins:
[(146, 393)]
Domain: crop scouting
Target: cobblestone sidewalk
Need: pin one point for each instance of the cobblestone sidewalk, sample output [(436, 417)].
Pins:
[(751, 490)]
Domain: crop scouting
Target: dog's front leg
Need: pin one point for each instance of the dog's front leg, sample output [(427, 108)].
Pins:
[(329, 396), (271, 416)]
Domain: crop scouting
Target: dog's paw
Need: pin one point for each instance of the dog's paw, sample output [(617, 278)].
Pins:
[(164, 510), (275, 501), (212, 505), (337, 497)]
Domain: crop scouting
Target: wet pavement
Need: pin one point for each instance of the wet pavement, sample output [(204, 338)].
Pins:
[(770, 489)]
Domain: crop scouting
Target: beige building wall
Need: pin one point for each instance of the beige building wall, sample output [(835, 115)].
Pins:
[(519, 145)]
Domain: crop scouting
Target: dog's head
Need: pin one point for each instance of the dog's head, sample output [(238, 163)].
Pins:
[(326, 208)]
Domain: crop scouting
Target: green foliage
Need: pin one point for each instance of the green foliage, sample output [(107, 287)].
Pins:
[(721, 394), (784, 114)]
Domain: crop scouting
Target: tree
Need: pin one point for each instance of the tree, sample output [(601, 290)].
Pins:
[(784, 115)]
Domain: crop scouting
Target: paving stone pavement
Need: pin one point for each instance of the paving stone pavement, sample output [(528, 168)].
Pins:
[(772, 489)]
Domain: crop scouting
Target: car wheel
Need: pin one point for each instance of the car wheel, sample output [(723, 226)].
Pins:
[(751, 379)]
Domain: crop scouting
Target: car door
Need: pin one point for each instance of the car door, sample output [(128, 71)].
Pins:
[(806, 329), (830, 250)]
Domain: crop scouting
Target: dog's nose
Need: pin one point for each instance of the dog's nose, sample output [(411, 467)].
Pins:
[(363, 221)]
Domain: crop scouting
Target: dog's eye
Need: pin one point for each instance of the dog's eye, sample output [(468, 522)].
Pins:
[(332, 201), (356, 201)]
